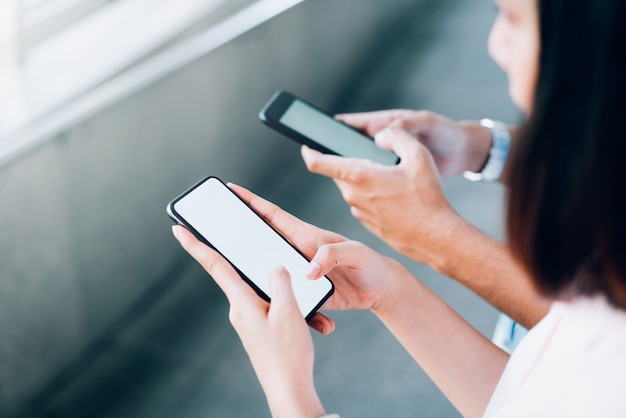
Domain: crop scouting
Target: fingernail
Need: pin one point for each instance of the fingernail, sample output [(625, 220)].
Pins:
[(327, 329), (314, 270), (279, 269), (382, 133), (176, 231)]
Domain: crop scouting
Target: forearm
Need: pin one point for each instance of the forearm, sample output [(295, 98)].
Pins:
[(487, 267), (478, 145), (286, 381), (463, 363)]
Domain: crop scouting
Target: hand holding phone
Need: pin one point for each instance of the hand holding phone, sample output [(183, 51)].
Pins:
[(220, 219), (311, 126)]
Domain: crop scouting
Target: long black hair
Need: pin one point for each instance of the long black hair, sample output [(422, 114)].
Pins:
[(566, 214)]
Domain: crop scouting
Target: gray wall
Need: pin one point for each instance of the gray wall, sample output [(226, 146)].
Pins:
[(84, 231)]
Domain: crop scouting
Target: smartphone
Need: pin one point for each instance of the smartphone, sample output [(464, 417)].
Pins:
[(311, 126), (220, 219)]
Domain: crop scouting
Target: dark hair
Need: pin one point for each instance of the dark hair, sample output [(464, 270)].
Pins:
[(566, 215)]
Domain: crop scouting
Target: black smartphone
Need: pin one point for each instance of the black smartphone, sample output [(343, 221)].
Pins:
[(220, 219), (311, 126)]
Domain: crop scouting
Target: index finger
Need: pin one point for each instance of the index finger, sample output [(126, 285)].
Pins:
[(285, 222), (334, 166), (304, 236), (372, 122)]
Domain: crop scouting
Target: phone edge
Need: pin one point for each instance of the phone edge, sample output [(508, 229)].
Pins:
[(179, 220)]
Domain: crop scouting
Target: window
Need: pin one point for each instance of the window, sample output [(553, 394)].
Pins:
[(9, 34), (24, 23), (53, 53), (43, 18)]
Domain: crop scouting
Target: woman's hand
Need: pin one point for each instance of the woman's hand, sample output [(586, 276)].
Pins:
[(455, 146), (361, 276), (275, 336)]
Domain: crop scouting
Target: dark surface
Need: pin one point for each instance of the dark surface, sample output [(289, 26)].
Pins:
[(175, 355)]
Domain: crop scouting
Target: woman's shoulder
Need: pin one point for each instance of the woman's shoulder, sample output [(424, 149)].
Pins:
[(589, 327), (592, 317)]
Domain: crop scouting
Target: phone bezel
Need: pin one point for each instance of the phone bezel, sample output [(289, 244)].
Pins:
[(280, 102), (179, 219)]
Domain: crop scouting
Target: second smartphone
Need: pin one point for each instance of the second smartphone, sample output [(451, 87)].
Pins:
[(311, 126)]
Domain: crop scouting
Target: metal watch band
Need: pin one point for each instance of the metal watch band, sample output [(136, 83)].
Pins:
[(501, 141)]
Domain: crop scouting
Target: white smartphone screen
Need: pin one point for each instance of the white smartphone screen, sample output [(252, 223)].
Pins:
[(247, 241), (333, 135)]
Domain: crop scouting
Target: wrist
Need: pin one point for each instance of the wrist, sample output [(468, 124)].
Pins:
[(287, 407), (399, 279), (479, 142), (293, 399), (404, 290)]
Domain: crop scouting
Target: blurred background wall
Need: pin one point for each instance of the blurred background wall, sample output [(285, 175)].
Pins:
[(101, 314)]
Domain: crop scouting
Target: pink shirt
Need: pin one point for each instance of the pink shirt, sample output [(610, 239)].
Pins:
[(572, 364)]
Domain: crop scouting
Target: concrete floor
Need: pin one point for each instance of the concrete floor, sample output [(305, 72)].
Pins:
[(178, 356)]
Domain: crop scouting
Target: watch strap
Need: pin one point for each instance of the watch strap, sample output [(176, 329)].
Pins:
[(500, 144)]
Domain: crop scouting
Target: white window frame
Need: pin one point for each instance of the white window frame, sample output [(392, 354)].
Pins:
[(94, 62), (10, 34), (44, 18)]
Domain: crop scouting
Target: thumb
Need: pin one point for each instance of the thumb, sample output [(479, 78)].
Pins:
[(396, 139), (283, 300)]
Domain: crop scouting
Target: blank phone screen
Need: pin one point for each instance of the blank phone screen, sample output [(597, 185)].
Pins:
[(333, 135), (249, 243)]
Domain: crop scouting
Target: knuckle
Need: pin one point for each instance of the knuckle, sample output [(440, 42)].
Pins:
[(401, 122), (357, 175), (312, 164), (324, 251), (425, 114), (270, 214), (422, 156), (355, 212), (235, 316), (426, 117), (349, 196), (208, 263), (243, 318)]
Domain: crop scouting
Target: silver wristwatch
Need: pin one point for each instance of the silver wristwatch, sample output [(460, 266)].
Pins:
[(500, 144)]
